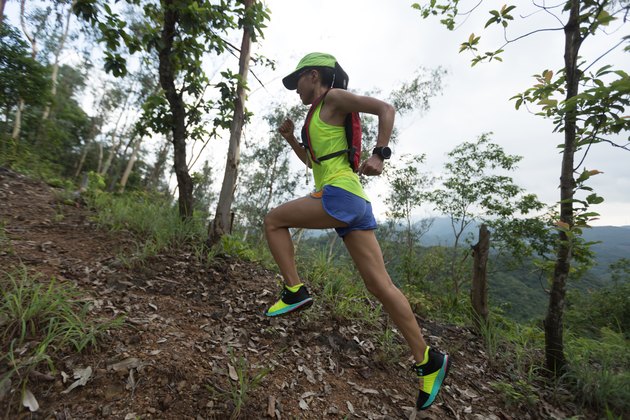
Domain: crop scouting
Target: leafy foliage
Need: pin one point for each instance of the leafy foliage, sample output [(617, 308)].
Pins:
[(609, 307), (202, 29), (474, 188), (33, 85)]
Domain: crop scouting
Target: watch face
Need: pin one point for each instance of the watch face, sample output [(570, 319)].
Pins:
[(382, 152)]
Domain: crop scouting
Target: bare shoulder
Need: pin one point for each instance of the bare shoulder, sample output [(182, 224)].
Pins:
[(350, 102)]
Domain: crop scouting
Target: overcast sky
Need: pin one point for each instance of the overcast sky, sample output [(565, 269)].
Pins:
[(381, 44)]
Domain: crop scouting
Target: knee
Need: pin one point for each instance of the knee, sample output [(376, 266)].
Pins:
[(270, 222), (379, 289)]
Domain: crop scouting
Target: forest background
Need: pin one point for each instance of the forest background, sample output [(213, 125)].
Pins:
[(86, 106)]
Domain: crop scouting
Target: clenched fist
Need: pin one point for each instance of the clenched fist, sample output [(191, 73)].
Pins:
[(286, 129), (371, 166)]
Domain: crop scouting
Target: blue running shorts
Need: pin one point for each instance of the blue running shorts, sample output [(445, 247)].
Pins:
[(348, 208)]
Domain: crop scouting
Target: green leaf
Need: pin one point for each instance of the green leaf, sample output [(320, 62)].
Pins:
[(490, 21), (594, 199), (507, 9), (604, 18)]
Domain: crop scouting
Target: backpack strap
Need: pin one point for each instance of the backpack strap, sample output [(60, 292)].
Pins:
[(306, 137)]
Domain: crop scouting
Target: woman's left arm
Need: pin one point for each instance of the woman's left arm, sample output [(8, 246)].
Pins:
[(342, 102)]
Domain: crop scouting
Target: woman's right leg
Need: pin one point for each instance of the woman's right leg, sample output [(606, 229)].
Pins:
[(431, 366), (306, 212), (367, 256)]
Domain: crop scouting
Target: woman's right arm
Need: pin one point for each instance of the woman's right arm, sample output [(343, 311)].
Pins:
[(286, 130)]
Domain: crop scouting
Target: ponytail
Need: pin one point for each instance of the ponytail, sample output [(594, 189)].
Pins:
[(333, 77)]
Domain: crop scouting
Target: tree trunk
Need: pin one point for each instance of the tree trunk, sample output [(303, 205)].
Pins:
[(110, 155), (554, 345), (17, 123), (100, 158), (297, 238), (129, 168), (86, 148), (2, 3), (331, 248), (221, 222), (94, 129), (116, 138), (55, 67), (156, 172), (178, 112), (454, 275), (479, 289)]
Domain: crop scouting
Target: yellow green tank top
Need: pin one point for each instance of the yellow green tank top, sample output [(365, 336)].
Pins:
[(326, 139)]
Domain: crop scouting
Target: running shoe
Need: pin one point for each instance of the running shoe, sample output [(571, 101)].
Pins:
[(291, 301), (431, 374)]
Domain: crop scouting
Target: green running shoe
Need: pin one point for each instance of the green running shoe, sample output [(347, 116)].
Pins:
[(430, 377), (291, 301)]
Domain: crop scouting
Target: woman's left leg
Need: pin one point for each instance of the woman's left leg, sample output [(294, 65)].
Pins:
[(306, 212), (367, 256)]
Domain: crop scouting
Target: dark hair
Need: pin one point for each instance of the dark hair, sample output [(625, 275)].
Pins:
[(327, 75), (334, 78)]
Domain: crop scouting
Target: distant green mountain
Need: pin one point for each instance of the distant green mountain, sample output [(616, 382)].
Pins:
[(614, 241), (521, 293), (614, 244)]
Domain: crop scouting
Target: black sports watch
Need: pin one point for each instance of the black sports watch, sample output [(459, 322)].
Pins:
[(382, 152)]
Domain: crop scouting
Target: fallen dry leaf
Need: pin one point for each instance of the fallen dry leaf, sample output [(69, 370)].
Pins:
[(82, 377), (29, 401), (232, 372)]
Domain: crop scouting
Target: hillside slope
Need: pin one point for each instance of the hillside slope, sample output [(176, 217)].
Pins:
[(184, 319)]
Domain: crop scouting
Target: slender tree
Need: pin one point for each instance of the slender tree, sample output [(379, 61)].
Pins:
[(221, 223), (17, 122), (61, 40), (473, 188)]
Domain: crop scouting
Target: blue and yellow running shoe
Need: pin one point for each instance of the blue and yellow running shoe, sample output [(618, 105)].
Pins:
[(431, 373), (292, 299)]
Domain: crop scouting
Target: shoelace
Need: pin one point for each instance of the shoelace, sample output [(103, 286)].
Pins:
[(285, 293), (418, 369)]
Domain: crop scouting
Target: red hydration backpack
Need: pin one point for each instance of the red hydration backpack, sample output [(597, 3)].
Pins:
[(352, 125)]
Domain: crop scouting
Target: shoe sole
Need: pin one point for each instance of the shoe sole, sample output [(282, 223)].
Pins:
[(439, 380), (305, 304)]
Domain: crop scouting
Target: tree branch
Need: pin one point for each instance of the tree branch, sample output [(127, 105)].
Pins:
[(231, 48), (547, 10), (612, 143), (603, 55), (468, 14), (509, 41)]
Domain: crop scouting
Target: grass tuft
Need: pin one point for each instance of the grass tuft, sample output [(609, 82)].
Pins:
[(239, 389), (598, 370), (38, 322)]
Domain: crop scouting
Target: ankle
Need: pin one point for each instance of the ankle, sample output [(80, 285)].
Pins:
[(294, 288), (425, 357)]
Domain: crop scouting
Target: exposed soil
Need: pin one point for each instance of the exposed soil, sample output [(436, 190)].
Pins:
[(184, 318)]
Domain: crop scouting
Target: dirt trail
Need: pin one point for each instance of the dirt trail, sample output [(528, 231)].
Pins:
[(184, 319)]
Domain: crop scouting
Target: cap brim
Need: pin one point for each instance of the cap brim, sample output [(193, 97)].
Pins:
[(290, 82)]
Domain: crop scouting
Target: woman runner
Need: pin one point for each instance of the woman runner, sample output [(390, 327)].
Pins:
[(339, 202)]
